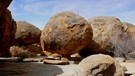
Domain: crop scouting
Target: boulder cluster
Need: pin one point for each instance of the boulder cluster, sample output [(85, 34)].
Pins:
[(27, 41), (67, 33)]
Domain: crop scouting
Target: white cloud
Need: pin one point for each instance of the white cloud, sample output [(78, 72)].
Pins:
[(88, 7), (38, 8), (85, 8)]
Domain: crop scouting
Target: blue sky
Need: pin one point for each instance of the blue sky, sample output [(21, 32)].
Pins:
[(38, 12)]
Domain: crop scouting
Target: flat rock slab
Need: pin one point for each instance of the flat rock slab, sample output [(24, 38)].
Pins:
[(56, 62), (132, 75), (10, 59), (130, 67), (34, 59), (36, 69)]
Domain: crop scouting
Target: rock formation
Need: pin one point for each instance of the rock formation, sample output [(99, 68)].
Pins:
[(3, 5), (27, 39), (100, 65), (66, 33), (124, 43), (27, 33), (104, 28), (7, 28)]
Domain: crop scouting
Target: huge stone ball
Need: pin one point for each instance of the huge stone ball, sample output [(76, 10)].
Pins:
[(104, 27), (125, 42), (27, 33), (66, 33), (105, 31)]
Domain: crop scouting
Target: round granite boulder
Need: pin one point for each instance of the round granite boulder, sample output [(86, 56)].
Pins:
[(66, 33), (106, 29), (27, 33), (125, 42)]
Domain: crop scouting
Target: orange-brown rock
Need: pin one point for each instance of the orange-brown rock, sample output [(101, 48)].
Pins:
[(7, 28), (66, 33), (104, 28), (27, 33), (7, 32), (3, 5)]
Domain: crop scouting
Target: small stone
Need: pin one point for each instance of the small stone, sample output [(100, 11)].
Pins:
[(36, 59), (65, 74), (129, 66), (120, 59), (130, 72)]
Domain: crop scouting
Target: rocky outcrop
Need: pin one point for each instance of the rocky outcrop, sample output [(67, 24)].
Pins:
[(104, 28), (100, 65), (66, 33), (7, 28), (27, 33), (3, 5)]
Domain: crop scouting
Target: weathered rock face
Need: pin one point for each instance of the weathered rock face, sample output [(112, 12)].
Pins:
[(124, 43), (27, 33), (104, 28), (3, 5), (7, 32), (99, 65), (66, 33)]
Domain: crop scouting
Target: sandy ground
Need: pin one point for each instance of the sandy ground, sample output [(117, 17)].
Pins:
[(36, 69), (39, 69)]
